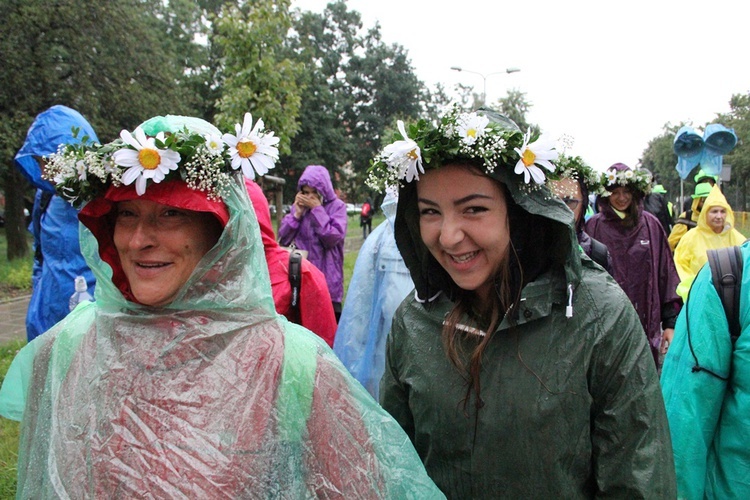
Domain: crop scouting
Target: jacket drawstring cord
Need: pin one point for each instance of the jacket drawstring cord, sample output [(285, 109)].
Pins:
[(569, 308)]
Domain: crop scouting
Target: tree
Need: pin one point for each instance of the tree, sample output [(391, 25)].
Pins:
[(515, 106), (738, 118), (111, 61), (660, 159), (255, 75), (356, 86)]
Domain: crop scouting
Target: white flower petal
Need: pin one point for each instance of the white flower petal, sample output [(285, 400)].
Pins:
[(131, 174), (140, 185), (128, 139)]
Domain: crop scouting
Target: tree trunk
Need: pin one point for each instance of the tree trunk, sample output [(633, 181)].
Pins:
[(14, 185)]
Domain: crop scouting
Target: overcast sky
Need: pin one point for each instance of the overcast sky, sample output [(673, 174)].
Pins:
[(610, 75)]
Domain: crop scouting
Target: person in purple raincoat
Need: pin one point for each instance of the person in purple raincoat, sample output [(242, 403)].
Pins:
[(317, 223), (642, 262)]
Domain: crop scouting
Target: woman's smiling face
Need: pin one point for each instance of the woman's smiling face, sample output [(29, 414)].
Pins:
[(463, 221), (159, 247)]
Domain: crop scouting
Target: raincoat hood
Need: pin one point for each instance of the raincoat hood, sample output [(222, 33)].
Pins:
[(536, 201), (260, 203), (317, 176), (715, 199), (50, 129)]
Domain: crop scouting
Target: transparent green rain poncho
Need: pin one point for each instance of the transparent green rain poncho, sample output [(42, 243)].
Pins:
[(212, 396)]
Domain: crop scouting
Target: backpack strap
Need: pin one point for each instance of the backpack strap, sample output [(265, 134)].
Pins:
[(726, 274), (295, 277), (687, 220)]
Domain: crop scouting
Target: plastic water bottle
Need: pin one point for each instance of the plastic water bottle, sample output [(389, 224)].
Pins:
[(81, 294)]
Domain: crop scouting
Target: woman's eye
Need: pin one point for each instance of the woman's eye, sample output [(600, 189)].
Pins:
[(476, 210), (428, 211), (124, 213), (173, 213)]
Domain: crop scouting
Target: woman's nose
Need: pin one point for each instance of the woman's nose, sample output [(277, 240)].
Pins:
[(144, 233), (451, 232)]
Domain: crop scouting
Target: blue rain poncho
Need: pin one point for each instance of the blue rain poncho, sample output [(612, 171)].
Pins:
[(58, 257), (213, 396), (379, 283)]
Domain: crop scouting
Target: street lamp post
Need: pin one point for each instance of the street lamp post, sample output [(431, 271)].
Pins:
[(484, 77)]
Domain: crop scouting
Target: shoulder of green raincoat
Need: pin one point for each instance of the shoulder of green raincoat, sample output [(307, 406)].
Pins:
[(704, 383)]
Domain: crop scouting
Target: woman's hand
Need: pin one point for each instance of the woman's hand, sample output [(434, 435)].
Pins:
[(304, 202), (666, 340)]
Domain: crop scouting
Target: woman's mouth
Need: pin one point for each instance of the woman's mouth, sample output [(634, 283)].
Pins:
[(464, 257)]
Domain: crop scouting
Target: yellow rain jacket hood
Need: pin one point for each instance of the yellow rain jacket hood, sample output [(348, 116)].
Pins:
[(690, 254)]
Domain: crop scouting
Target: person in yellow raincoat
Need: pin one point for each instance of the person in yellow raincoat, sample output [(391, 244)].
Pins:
[(715, 229), (689, 218)]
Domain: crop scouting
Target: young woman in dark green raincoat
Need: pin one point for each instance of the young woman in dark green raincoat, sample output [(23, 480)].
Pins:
[(518, 369)]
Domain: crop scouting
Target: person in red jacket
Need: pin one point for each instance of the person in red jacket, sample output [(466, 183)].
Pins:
[(315, 310)]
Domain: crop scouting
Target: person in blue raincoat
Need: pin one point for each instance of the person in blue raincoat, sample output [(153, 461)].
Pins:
[(54, 223), (379, 283)]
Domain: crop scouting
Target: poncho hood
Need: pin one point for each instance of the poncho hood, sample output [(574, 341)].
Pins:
[(536, 200), (317, 176), (50, 129), (715, 199)]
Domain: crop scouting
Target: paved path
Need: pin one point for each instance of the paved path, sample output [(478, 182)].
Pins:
[(13, 319)]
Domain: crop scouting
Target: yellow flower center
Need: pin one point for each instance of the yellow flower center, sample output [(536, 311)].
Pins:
[(149, 158), (472, 132), (246, 149), (413, 154), (528, 157)]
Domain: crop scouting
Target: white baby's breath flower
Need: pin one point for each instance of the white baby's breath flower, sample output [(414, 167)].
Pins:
[(404, 156), (539, 152), (251, 148)]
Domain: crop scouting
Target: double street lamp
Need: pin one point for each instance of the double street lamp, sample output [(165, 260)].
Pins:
[(484, 77)]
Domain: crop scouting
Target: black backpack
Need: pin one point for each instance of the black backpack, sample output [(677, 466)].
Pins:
[(726, 276)]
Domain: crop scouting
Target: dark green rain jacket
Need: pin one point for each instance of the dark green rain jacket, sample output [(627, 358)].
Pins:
[(571, 405)]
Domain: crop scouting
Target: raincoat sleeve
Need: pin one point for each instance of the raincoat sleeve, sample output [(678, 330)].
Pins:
[(288, 228), (630, 436), (693, 398), (354, 324), (330, 228), (394, 395), (316, 309), (345, 426), (678, 231)]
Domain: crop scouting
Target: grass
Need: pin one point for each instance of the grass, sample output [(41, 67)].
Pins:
[(15, 276), (9, 430)]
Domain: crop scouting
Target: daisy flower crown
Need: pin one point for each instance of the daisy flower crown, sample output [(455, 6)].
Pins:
[(205, 161), (461, 136), (573, 167), (635, 179)]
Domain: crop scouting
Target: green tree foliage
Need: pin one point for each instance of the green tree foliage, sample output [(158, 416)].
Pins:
[(515, 106), (254, 75), (738, 118), (659, 158), (357, 85), (113, 61)]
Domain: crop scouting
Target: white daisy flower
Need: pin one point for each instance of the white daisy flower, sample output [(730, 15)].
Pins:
[(404, 156), (628, 174), (214, 144), (251, 148), (146, 161), (471, 127), (539, 152), (611, 176)]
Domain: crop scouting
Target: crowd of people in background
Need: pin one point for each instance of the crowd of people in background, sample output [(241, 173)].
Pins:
[(525, 328)]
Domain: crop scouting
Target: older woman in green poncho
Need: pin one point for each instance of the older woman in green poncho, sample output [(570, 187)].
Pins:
[(181, 380)]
